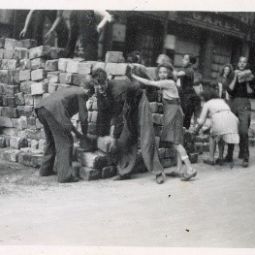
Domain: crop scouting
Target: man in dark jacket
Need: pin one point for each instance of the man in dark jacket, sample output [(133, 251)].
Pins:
[(55, 113), (131, 119)]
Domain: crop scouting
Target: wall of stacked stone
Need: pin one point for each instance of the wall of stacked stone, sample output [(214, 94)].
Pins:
[(27, 75)]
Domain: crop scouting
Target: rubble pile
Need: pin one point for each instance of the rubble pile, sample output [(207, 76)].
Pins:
[(28, 74)]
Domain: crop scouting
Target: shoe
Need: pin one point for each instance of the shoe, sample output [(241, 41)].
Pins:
[(240, 156), (245, 163), (219, 161), (73, 179), (160, 178), (228, 159), (209, 162), (122, 177), (187, 177)]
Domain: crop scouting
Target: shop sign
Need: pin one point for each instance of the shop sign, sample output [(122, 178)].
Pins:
[(217, 23)]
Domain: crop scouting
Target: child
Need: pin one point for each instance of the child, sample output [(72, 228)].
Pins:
[(173, 116), (224, 124)]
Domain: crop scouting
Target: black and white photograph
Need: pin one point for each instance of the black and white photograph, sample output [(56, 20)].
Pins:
[(127, 128)]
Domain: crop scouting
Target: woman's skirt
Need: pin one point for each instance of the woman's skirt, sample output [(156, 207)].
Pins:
[(225, 126), (172, 122)]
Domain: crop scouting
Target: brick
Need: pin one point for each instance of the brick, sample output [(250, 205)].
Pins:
[(90, 174), (37, 100), (95, 160), (26, 110), (114, 57), (11, 90), (116, 69), (11, 155), (157, 118), (62, 64), (10, 43), (25, 64), (97, 65), (2, 90), (13, 77), (35, 134), (21, 123), (10, 112), (18, 142), (8, 54), (2, 141), (37, 160), (81, 79), (72, 66), (9, 64), (193, 157), (38, 88), (53, 77), (21, 53), (24, 75), (40, 51), (6, 122), (51, 65), (31, 122), (154, 107), (8, 132), (160, 108), (56, 52), (26, 43), (2, 53), (84, 68), (45, 95), (37, 63), (34, 145), (66, 78), (19, 97), (62, 86), (42, 145), (9, 101), (2, 42), (25, 87), (29, 100), (108, 172), (4, 76), (38, 75), (52, 87)]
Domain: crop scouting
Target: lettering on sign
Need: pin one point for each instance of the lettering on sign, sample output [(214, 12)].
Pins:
[(220, 23)]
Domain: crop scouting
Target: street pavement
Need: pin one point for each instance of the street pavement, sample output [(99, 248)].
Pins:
[(217, 209)]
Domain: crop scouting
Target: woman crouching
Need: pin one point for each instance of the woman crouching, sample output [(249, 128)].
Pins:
[(224, 124)]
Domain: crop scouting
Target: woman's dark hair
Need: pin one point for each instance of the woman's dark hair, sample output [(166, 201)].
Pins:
[(134, 57), (230, 68), (99, 75), (209, 93), (169, 67)]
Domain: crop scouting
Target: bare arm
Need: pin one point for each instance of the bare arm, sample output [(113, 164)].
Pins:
[(232, 85), (157, 84), (203, 115), (55, 24), (105, 18), (27, 22)]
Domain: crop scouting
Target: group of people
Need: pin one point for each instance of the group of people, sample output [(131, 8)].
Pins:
[(229, 109), (88, 24), (123, 108)]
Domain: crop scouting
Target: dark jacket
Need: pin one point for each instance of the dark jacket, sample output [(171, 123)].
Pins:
[(65, 103)]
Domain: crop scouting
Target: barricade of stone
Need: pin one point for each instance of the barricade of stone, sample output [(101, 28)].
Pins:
[(28, 74)]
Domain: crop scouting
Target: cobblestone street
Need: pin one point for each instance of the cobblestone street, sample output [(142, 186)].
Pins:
[(214, 210)]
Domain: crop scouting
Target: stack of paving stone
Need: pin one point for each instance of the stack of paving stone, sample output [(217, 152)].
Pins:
[(27, 75)]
